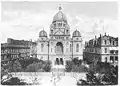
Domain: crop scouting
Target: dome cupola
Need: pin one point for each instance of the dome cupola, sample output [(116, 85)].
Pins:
[(76, 33), (59, 16), (42, 34)]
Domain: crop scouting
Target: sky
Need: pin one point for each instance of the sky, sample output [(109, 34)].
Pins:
[(24, 20)]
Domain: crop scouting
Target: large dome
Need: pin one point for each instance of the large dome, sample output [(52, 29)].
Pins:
[(59, 16), (76, 33), (42, 34)]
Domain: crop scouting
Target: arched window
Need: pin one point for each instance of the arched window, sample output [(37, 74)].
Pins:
[(57, 61), (112, 58), (60, 24), (77, 48), (61, 61), (105, 59), (67, 31), (105, 50), (55, 25), (42, 47), (113, 42), (59, 47), (105, 42), (77, 38), (116, 58), (51, 31)]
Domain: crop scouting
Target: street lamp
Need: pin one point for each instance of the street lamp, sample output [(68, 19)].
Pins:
[(72, 48), (48, 49)]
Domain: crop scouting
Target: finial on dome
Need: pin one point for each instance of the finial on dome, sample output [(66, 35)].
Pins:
[(60, 7)]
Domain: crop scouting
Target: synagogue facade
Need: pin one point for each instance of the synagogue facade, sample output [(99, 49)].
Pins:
[(60, 46)]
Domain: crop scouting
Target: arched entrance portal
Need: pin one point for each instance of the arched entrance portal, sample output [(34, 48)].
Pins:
[(59, 61), (59, 47)]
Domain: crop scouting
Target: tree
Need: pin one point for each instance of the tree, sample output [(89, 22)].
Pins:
[(17, 66), (68, 66), (25, 62), (32, 67), (76, 61), (107, 75), (47, 66), (39, 67), (111, 76)]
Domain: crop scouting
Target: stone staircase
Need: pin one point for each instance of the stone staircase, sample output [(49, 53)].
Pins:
[(58, 70)]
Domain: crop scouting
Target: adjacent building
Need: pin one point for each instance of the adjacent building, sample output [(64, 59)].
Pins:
[(103, 49), (14, 49), (60, 46)]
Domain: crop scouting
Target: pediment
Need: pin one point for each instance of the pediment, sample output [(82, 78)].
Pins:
[(59, 33)]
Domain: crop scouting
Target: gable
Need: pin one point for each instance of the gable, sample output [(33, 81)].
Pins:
[(59, 33)]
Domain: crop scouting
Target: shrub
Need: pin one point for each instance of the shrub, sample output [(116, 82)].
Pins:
[(34, 67), (68, 66), (17, 67), (13, 81), (25, 62), (76, 61), (47, 66), (80, 68), (14, 66), (39, 67), (108, 76)]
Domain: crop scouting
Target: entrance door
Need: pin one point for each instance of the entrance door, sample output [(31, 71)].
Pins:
[(57, 61), (59, 67), (61, 61)]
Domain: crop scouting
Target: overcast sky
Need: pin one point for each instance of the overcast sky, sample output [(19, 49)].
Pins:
[(24, 20)]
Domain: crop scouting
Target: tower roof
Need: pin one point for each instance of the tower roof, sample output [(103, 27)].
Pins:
[(76, 33), (59, 16), (42, 34)]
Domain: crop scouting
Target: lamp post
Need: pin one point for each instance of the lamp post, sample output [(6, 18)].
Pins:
[(72, 48), (72, 54), (48, 49)]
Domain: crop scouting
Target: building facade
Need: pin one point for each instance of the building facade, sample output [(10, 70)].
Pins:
[(103, 49), (59, 47), (15, 49)]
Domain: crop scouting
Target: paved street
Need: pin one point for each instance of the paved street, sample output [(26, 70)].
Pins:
[(67, 81), (47, 79), (64, 81)]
